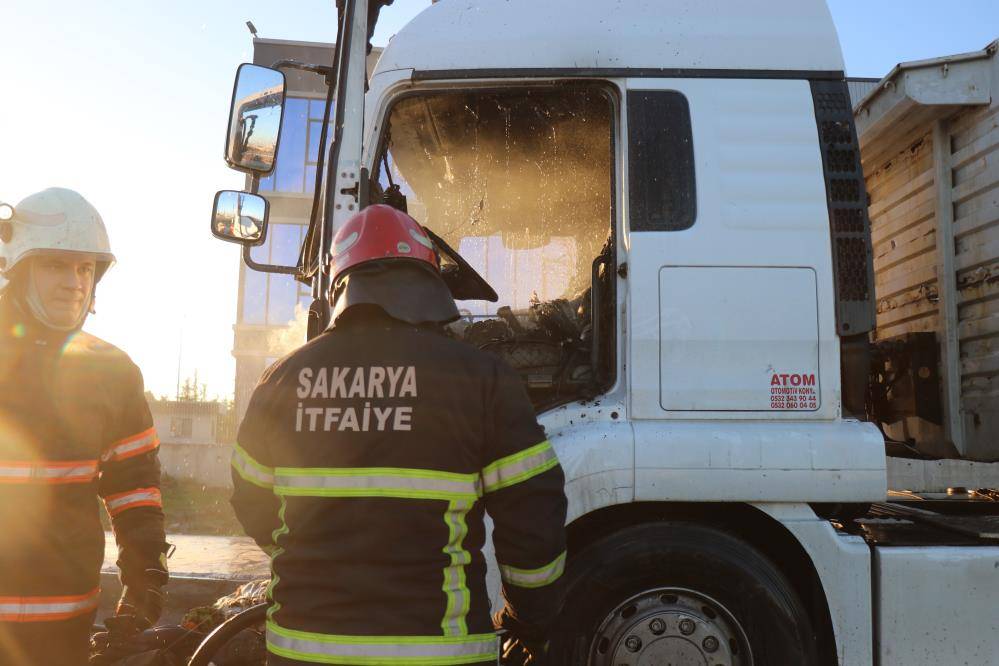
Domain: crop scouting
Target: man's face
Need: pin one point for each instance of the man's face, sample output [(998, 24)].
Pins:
[(63, 282)]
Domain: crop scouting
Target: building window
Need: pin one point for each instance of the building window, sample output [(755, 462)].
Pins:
[(662, 188), (270, 299), (301, 127), (181, 427)]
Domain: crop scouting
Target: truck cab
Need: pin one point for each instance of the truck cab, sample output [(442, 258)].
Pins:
[(655, 221), (656, 214)]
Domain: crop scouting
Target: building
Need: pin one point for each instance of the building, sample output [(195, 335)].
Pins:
[(184, 422), (195, 439), (272, 309)]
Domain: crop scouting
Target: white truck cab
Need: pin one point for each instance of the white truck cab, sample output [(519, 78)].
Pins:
[(656, 213)]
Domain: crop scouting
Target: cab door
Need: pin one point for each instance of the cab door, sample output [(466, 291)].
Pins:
[(730, 296)]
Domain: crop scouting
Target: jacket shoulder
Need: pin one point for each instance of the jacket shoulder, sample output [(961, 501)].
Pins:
[(92, 350), (442, 349)]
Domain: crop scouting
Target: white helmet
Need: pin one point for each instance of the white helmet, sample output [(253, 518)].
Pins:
[(55, 219)]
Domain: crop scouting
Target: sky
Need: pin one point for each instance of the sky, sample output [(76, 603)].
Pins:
[(127, 103)]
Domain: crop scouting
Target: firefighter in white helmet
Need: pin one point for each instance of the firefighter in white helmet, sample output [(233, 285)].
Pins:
[(74, 425)]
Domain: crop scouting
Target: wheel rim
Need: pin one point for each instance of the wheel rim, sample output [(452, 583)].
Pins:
[(670, 626)]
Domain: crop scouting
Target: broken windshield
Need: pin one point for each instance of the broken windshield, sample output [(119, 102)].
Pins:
[(518, 181)]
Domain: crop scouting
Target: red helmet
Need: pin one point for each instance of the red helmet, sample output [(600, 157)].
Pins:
[(380, 232)]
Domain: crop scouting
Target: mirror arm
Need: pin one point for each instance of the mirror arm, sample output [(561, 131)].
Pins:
[(322, 70), (267, 268), (315, 231), (254, 183), (364, 196)]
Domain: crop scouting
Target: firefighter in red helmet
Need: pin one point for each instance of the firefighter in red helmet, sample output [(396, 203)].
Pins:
[(74, 426), (365, 464)]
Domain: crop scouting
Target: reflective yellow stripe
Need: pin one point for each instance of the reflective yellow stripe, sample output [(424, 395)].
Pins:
[(276, 550), (519, 467), (250, 469), (376, 482), (532, 578), (459, 599), (380, 650), (460, 491)]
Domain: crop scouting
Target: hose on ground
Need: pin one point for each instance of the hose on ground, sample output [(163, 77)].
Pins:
[(225, 632)]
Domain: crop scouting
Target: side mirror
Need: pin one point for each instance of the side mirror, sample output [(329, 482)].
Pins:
[(240, 217), (6, 229), (255, 119)]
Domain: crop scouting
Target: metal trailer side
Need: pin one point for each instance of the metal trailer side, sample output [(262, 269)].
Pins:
[(929, 138)]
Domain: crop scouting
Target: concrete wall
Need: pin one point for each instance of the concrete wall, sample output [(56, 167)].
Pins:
[(207, 464), (936, 476), (202, 427)]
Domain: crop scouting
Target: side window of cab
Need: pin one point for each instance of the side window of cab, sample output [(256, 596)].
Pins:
[(662, 188)]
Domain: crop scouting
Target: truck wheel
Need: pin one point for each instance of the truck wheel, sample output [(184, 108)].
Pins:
[(679, 595)]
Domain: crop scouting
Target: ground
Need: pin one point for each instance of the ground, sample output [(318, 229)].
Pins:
[(193, 508)]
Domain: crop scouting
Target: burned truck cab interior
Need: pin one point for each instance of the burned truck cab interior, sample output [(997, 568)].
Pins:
[(516, 186)]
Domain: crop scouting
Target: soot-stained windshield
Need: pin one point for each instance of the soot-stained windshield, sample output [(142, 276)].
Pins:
[(518, 181)]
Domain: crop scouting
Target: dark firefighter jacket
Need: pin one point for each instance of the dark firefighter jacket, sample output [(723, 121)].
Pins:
[(365, 463), (74, 426)]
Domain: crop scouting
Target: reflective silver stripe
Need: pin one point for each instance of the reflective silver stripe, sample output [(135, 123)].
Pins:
[(62, 472), (250, 469), (143, 496), (33, 609), (380, 650), (532, 578), (459, 599), (519, 467), (12, 473), (376, 482), (143, 441)]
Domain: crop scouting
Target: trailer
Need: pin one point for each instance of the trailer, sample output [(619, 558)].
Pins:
[(668, 202), (929, 134)]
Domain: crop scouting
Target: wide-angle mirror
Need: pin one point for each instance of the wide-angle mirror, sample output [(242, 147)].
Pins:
[(255, 119), (240, 217)]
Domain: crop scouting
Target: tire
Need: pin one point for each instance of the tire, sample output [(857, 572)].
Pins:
[(673, 594)]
